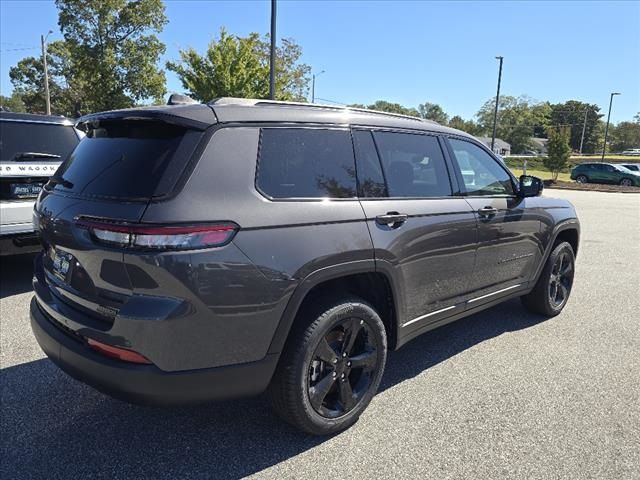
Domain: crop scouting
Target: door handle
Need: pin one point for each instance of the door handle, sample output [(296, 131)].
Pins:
[(487, 211), (392, 219)]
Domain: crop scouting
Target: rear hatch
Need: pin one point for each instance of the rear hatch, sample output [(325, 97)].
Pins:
[(30, 152), (109, 178)]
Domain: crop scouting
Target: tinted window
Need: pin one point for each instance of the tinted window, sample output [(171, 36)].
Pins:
[(306, 163), (481, 173), (126, 160), (370, 175), (20, 137), (413, 165)]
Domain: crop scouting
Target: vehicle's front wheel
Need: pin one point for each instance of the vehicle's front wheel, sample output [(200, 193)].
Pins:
[(582, 179), (626, 182), (551, 293), (331, 366)]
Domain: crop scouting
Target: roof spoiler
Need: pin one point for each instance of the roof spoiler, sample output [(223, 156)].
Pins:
[(193, 116)]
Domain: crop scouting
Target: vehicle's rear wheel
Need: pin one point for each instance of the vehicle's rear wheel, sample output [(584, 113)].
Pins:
[(626, 182), (582, 179), (551, 293), (331, 366)]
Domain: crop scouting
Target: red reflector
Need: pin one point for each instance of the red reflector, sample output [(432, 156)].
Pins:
[(117, 352)]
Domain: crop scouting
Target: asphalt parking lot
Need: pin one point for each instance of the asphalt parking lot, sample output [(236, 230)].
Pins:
[(502, 394)]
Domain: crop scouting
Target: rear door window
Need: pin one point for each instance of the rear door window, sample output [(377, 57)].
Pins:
[(127, 160), (413, 165), (23, 141), (306, 163)]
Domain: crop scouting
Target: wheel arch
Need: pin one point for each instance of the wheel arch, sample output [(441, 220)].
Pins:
[(565, 231), (359, 278)]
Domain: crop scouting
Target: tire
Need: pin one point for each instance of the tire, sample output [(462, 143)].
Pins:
[(582, 179), (323, 397), (626, 182), (553, 288)]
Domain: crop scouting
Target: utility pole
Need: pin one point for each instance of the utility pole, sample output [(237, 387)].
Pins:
[(606, 130), (584, 127), (43, 41), (272, 59), (495, 112), (313, 85)]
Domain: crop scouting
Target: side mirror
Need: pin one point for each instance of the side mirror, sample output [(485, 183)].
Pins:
[(530, 186)]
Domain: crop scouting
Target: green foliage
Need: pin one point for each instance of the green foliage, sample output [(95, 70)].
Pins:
[(433, 111), (468, 126), (624, 135), (236, 66), (12, 103), (27, 77), (558, 150), (571, 114), (384, 106), (107, 60), (519, 119)]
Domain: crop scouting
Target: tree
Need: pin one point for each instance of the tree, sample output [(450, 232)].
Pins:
[(558, 150), (433, 111), (384, 106), (625, 135), (571, 114), (114, 51), (12, 103), (519, 119), (236, 66), (27, 77), (108, 58), (468, 126)]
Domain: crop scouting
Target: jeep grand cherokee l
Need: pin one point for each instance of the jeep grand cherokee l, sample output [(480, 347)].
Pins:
[(197, 252), (31, 149)]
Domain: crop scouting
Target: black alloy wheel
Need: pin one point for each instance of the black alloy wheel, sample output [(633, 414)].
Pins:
[(331, 366), (560, 280), (342, 368)]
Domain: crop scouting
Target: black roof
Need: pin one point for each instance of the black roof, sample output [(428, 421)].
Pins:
[(32, 117), (227, 110)]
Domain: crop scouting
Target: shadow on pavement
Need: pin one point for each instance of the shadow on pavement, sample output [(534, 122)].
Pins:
[(55, 427), (16, 272)]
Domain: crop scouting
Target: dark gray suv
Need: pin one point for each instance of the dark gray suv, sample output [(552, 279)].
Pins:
[(198, 252)]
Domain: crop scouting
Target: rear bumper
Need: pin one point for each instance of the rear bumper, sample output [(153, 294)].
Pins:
[(147, 384)]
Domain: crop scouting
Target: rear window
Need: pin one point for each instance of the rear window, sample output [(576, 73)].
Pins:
[(127, 159), (20, 138), (306, 163)]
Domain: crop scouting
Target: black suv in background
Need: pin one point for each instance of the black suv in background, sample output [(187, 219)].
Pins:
[(195, 252), (31, 149)]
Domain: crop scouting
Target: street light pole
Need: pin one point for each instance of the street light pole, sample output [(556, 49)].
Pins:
[(43, 41), (313, 85), (606, 130), (495, 112), (272, 59)]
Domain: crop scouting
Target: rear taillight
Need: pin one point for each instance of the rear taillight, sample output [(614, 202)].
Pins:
[(123, 354), (158, 237)]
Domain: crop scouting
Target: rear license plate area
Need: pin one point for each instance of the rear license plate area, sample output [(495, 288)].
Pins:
[(61, 264)]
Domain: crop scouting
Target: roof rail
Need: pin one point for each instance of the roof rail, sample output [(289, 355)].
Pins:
[(259, 102)]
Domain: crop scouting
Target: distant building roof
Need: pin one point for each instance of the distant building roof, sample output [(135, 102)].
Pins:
[(499, 143)]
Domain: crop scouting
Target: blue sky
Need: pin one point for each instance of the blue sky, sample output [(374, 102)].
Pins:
[(409, 52)]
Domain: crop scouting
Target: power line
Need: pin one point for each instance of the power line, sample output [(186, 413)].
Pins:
[(18, 49)]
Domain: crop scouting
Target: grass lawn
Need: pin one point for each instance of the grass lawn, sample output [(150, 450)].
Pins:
[(543, 174)]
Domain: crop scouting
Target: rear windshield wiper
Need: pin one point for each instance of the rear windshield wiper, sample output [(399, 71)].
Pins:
[(28, 155), (60, 181)]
